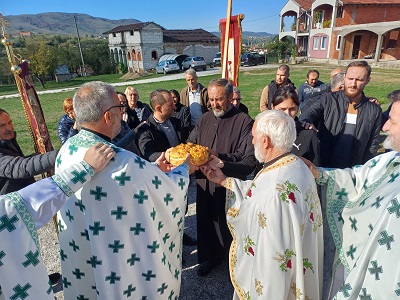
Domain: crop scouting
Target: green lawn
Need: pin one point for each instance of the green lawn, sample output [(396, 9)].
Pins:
[(251, 83)]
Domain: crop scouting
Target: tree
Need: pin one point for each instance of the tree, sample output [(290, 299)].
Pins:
[(280, 47), (43, 61)]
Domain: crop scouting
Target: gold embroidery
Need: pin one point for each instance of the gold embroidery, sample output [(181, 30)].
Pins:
[(302, 226), (259, 287), (295, 290), (262, 220)]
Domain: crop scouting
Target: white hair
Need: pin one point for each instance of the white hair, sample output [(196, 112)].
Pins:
[(279, 127)]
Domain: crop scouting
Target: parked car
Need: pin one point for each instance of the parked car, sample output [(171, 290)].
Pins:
[(252, 59), (217, 59), (194, 62), (167, 66)]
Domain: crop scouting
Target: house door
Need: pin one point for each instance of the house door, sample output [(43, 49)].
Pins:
[(356, 46)]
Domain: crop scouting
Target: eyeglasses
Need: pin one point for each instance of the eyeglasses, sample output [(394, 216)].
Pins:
[(121, 107)]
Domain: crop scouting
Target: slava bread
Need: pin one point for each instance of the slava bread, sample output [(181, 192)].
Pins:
[(198, 154)]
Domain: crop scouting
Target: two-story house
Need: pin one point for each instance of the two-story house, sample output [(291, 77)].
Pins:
[(335, 30)]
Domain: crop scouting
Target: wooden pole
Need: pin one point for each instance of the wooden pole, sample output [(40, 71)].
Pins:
[(226, 38)]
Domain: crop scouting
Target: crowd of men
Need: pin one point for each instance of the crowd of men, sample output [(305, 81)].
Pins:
[(258, 207)]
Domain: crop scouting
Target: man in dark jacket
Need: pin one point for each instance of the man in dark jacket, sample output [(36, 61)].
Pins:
[(16, 170), (312, 86), (281, 79), (161, 131), (349, 124), (225, 131)]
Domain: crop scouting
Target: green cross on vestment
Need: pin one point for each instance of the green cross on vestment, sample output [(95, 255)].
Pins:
[(85, 233), (345, 289), (81, 297), (141, 196), (7, 223), (156, 182), (375, 270), (32, 258), (386, 240), (160, 225), (140, 162), (119, 213), (181, 183), (74, 245), (97, 228), (175, 212), (129, 290), (66, 282), (364, 295), (98, 193), (353, 223), (351, 251), (149, 275), (153, 247), (78, 274), (171, 294), (373, 163), (68, 214), (393, 177), (116, 246), (122, 178), (166, 237), (162, 288), (93, 261), (94, 287), (398, 290), (113, 278), (341, 194), (63, 255), (168, 199), (171, 246), (78, 176), (131, 261), (395, 208), (176, 274), (20, 292), (377, 203), (82, 207), (59, 161), (163, 260), (153, 214), (2, 254), (137, 229), (72, 149)]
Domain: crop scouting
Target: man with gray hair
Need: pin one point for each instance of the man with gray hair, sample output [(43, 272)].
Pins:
[(194, 96), (225, 130), (237, 100), (120, 235), (275, 219)]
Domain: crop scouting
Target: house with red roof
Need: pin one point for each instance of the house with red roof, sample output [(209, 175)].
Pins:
[(336, 30)]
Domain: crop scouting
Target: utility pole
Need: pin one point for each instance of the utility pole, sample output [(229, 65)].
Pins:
[(80, 48)]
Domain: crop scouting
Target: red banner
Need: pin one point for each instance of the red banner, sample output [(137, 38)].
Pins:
[(33, 110), (231, 63)]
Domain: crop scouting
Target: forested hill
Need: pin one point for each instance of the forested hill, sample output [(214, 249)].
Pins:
[(62, 23)]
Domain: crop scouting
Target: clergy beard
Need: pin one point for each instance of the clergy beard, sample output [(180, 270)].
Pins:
[(258, 151), (391, 143), (219, 114)]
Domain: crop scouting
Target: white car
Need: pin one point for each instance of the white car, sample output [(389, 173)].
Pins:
[(217, 59), (194, 62), (167, 66)]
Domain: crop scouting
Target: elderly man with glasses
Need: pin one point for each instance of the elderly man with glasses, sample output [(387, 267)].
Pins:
[(120, 235)]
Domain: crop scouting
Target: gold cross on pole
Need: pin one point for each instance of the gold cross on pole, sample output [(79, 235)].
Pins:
[(4, 24)]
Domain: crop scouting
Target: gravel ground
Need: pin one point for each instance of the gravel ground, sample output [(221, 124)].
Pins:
[(215, 286)]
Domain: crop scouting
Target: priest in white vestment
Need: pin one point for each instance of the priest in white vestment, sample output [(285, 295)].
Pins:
[(121, 234), (363, 211), (275, 219), (22, 272)]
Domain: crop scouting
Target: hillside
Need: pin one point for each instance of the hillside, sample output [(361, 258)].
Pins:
[(62, 23), (251, 34)]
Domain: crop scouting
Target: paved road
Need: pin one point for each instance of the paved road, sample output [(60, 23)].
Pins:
[(210, 71)]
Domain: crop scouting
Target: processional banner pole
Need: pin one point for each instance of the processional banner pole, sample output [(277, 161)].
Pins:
[(30, 101)]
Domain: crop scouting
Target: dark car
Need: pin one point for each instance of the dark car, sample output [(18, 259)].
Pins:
[(252, 59)]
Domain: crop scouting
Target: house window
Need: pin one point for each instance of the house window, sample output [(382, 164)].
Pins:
[(154, 55), (133, 54), (392, 44), (114, 34), (323, 42), (338, 42), (131, 32), (129, 55), (339, 12), (316, 42), (139, 55)]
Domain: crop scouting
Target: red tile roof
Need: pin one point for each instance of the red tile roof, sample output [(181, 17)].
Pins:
[(129, 27), (370, 2), (306, 4), (195, 35)]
